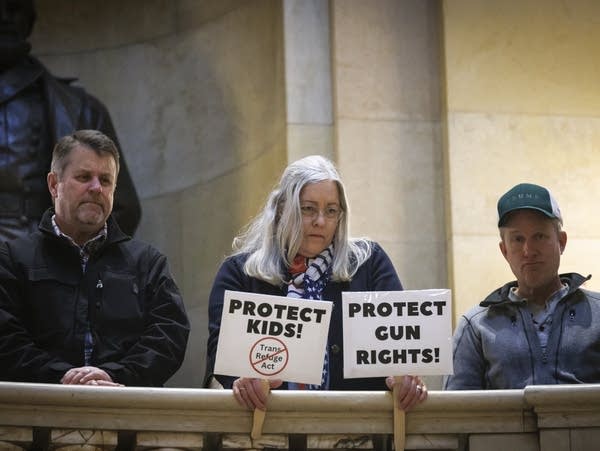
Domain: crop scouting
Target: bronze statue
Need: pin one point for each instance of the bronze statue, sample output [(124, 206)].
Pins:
[(36, 109)]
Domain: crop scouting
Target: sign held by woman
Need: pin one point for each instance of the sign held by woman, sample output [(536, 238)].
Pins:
[(272, 337)]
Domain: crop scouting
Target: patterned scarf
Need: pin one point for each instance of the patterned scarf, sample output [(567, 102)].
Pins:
[(309, 278)]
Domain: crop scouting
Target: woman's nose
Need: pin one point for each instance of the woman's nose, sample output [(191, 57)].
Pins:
[(319, 218)]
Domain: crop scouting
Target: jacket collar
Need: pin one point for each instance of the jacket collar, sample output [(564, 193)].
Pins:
[(500, 296), (115, 234)]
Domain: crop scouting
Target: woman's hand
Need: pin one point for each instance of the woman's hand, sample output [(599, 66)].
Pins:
[(249, 392), (411, 390)]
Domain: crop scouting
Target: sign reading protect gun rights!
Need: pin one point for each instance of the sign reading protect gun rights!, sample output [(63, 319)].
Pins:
[(397, 332), (272, 337)]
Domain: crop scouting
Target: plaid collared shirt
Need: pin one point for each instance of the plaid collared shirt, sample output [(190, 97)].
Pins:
[(85, 252)]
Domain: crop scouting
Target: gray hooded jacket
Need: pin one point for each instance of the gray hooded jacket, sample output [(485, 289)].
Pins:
[(496, 345)]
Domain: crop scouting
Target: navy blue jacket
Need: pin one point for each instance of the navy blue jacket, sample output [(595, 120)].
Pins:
[(376, 274)]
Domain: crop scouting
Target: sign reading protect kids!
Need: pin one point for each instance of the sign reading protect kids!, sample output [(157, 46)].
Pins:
[(272, 337), (397, 332)]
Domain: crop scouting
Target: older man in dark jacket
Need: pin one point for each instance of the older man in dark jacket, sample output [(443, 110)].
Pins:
[(80, 301)]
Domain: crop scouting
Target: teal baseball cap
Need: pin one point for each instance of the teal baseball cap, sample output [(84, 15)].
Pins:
[(528, 196)]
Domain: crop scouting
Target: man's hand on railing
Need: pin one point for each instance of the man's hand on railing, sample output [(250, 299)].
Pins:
[(88, 375), (411, 390), (249, 392)]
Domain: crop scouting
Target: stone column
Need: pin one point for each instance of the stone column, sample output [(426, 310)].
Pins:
[(308, 78)]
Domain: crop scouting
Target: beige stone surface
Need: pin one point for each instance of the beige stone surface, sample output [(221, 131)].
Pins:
[(70, 26), (419, 267), (162, 440), (581, 255), (523, 56), (503, 442), (490, 153), (393, 175), (192, 14), (13, 438), (585, 438), (312, 139), (309, 97), (8, 446), (386, 60), (307, 62), (557, 440), (565, 416)]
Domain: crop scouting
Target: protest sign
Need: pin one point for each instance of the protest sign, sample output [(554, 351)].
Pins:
[(272, 337), (397, 332)]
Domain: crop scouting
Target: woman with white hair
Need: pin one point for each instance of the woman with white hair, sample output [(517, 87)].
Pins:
[(298, 246)]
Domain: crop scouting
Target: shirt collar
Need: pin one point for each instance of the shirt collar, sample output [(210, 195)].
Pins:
[(90, 246), (557, 295)]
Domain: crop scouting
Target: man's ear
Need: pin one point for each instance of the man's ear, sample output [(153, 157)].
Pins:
[(502, 248), (562, 240), (52, 180)]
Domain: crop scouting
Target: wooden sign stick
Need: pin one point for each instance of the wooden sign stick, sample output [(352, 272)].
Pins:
[(399, 420), (259, 415)]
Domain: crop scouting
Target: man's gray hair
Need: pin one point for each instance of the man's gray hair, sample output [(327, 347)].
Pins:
[(91, 139), (273, 238)]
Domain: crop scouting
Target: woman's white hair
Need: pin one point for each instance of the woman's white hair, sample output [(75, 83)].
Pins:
[(273, 238)]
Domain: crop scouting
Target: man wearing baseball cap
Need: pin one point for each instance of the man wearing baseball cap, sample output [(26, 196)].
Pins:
[(542, 328)]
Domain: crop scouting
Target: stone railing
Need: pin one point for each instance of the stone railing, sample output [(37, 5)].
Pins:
[(547, 418)]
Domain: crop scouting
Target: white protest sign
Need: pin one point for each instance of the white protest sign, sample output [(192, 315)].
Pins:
[(390, 333), (272, 337)]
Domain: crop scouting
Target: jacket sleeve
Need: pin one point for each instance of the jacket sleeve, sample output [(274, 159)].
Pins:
[(229, 277), (469, 364), (21, 360), (160, 350)]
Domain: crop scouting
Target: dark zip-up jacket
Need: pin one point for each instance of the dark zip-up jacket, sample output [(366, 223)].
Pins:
[(127, 294), (496, 345)]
